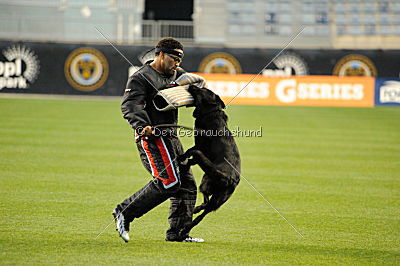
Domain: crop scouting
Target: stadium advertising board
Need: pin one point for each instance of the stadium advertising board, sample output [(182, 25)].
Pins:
[(387, 91), (302, 91), (296, 77), (55, 68), (19, 67)]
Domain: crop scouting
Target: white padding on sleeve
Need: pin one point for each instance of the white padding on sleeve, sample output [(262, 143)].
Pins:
[(173, 98), (190, 78)]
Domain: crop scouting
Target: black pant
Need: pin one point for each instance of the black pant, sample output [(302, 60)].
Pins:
[(171, 180)]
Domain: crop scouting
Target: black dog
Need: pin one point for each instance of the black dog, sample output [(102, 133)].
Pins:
[(215, 151)]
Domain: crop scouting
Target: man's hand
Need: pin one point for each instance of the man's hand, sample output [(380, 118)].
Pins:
[(147, 131)]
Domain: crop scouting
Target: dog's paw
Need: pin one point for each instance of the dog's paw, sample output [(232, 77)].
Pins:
[(197, 209)]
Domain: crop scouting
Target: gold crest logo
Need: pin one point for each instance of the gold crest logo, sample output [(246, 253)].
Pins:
[(220, 63), (355, 65), (86, 69)]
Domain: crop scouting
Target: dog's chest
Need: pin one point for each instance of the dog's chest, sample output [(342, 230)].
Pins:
[(215, 146)]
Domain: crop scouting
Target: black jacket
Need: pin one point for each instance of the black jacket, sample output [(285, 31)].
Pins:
[(137, 103)]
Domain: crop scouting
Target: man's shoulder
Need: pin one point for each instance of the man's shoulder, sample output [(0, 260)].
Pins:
[(142, 75), (145, 69)]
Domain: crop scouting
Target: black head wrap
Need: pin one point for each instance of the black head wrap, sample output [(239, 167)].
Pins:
[(169, 51)]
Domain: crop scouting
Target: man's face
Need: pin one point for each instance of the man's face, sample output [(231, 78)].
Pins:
[(170, 62)]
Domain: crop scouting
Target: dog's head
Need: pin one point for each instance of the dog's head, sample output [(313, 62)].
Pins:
[(205, 100)]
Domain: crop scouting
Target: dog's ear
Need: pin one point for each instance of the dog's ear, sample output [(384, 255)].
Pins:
[(194, 91), (220, 101)]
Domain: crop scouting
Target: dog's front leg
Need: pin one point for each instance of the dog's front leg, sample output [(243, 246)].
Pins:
[(206, 165), (187, 154)]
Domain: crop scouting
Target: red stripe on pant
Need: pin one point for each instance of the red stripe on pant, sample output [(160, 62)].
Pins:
[(168, 163), (154, 169)]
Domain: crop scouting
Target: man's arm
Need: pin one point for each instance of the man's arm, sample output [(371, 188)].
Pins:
[(133, 104)]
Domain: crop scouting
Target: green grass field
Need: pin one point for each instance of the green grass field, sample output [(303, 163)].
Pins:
[(333, 172)]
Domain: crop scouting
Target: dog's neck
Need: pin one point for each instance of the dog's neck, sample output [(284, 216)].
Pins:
[(201, 111)]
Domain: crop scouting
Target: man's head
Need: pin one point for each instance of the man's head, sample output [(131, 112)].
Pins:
[(169, 54)]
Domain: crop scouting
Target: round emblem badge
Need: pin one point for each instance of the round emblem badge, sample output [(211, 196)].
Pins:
[(355, 65), (86, 69), (292, 61), (220, 63)]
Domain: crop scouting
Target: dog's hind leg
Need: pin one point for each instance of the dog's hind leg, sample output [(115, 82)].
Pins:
[(213, 204), (201, 207), (217, 200), (195, 222)]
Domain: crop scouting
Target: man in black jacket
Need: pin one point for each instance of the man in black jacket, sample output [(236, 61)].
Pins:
[(158, 152)]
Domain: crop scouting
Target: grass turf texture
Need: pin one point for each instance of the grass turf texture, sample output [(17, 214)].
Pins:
[(333, 172)]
